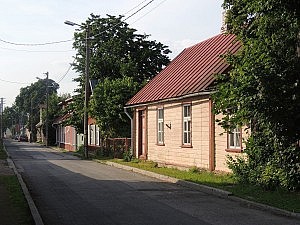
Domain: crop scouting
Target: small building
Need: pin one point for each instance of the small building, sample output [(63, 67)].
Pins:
[(68, 138), (173, 123)]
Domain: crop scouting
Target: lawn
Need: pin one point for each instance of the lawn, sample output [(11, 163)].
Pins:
[(278, 198)]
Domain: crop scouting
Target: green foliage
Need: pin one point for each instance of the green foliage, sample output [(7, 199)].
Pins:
[(105, 152), (117, 54), (194, 169), (26, 108), (263, 89), (127, 156), (107, 105)]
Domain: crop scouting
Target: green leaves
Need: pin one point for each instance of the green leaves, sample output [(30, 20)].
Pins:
[(107, 105), (262, 86), (121, 59)]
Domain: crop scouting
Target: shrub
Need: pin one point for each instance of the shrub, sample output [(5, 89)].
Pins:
[(127, 156)]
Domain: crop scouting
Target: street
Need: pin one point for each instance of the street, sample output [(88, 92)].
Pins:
[(68, 190)]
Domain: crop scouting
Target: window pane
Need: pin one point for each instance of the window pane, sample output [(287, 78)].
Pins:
[(231, 140), (189, 126), (185, 138), (238, 139), (160, 113), (188, 111)]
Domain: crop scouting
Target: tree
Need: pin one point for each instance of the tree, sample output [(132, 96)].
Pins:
[(117, 52), (107, 106), (263, 89), (25, 109)]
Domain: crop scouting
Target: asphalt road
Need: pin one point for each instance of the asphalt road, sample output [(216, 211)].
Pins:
[(70, 191)]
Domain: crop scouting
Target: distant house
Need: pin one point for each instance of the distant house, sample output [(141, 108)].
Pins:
[(68, 138), (66, 135), (173, 123)]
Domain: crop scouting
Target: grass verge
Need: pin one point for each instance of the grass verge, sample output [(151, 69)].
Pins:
[(12, 199), (278, 198)]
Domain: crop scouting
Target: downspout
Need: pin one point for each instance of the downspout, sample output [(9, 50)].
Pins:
[(212, 153), (131, 128)]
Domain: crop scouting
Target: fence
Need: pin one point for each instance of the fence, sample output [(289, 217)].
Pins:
[(112, 147)]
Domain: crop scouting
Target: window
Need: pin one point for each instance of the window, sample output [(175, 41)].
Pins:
[(160, 126), (234, 139), (187, 124)]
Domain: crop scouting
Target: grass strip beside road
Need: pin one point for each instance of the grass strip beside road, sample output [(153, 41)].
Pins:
[(12, 199), (281, 199)]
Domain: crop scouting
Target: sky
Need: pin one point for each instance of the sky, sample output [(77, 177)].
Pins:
[(175, 23)]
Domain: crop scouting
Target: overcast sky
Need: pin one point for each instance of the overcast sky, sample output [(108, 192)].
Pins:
[(176, 23)]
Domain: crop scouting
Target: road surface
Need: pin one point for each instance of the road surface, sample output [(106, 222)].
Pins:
[(70, 191)]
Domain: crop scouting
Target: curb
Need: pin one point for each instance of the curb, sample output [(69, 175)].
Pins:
[(188, 184), (33, 209), (208, 190)]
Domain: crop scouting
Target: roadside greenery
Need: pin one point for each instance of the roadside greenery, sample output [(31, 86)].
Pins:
[(12, 200), (262, 91), (25, 112), (107, 106)]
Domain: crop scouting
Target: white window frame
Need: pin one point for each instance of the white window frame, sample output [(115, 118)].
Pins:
[(160, 126), (235, 138), (187, 124), (97, 135)]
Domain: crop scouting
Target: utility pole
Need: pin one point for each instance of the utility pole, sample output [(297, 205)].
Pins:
[(87, 85), (1, 120), (31, 119), (47, 107), (86, 94)]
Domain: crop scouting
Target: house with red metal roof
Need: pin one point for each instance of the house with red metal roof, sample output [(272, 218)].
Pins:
[(173, 123)]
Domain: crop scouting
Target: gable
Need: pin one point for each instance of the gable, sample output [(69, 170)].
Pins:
[(192, 71)]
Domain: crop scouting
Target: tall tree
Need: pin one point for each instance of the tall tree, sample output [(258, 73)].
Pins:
[(26, 106), (107, 106), (117, 51), (263, 89)]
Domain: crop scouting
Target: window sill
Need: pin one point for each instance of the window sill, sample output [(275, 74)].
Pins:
[(234, 150), (160, 144), (186, 146)]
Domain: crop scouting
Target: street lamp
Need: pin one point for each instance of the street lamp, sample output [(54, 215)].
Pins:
[(86, 93)]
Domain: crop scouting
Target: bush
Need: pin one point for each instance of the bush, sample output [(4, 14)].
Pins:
[(267, 162), (127, 156), (104, 152)]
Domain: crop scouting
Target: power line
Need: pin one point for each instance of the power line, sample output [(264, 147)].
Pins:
[(37, 51), (135, 7), (68, 70), (138, 10), (64, 41), (149, 11), (35, 44), (13, 82), (125, 18)]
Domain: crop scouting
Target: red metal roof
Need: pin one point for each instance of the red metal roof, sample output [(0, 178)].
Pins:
[(192, 71)]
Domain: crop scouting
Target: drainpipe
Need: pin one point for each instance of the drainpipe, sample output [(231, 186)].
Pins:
[(131, 128)]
